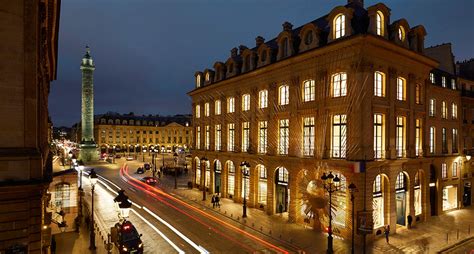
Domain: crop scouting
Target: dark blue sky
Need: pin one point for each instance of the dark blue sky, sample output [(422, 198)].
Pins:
[(146, 52)]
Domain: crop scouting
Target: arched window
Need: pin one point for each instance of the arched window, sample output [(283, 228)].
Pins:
[(198, 81), (230, 178), (263, 56), (102, 120), (263, 99), (401, 33), (308, 38), (282, 176), (246, 102), (401, 89), (207, 76), (198, 111), (117, 121), (309, 91), (198, 170), (380, 23), (378, 202), (400, 184), (339, 26), (379, 84), (339, 84), (284, 95)]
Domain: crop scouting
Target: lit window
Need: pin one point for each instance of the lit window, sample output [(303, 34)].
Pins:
[(308, 136), (418, 94), (418, 137), (230, 105), (444, 110), (309, 92), (245, 136), (339, 84), (400, 183), (262, 136), (218, 138), (378, 136), (432, 109), (284, 137), (207, 77), (455, 169), (284, 95), (263, 99), (444, 141), (379, 23), (455, 140), (432, 139), (207, 138), (231, 178), (454, 111), (444, 171), (443, 81), (230, 137), (206, 109), (245, 102), (198, 137), (401, 33), (453, 84), (432, 77), (339, 26), (401, 89), (400, 136), (262, 184), (198, 81), (217, 107), (339, 135), (198, 111), (379, 84)]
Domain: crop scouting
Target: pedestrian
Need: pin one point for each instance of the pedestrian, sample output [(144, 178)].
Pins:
[(213, 201), (218, 200), (387, 232), (410, 220)]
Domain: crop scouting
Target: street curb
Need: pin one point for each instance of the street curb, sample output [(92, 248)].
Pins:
[(455, 245)]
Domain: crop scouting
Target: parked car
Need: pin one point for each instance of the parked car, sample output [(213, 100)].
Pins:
[(118, 156), (149, 180), (129, 158), (140, 170), (126, 238), (147, 166)]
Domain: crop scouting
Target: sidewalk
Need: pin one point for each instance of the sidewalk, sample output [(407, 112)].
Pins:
[(429, 237)]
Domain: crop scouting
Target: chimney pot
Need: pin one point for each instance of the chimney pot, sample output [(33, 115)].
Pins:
[(287, 26), (233, 52)]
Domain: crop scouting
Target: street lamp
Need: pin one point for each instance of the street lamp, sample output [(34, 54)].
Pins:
[(93, 179), (144, 151), (113, 158), (203, 173), (175, 156), (468, 157), (70, 158), (331, 184), (123, 205), (352, 189), (245, 173)]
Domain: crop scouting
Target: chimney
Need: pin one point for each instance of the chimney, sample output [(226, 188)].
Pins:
[(259, 41), (287, 26), (357, 2), (233, 52), (241, 49)]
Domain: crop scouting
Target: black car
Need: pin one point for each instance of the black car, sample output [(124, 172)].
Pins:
[(147, 166), (140, 170), (126, 238)]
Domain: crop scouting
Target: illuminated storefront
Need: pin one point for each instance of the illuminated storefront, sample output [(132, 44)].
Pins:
[(417, 195), (378, 202), (208, 174), (262, 184), (230, 178), (450, 197), (198, 171)]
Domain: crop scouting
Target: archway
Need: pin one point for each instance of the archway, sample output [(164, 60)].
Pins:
[(281, 190), (401, 197), (230, 178), (380, 199), (217, 176)]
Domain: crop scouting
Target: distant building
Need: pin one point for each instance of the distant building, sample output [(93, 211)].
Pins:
[(348, 93), (130, 133)]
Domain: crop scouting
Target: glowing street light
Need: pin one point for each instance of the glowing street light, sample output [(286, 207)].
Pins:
[(331, 185), (93, 178)]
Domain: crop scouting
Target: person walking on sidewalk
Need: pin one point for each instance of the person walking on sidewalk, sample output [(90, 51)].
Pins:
[(213, 201), (387, 232)]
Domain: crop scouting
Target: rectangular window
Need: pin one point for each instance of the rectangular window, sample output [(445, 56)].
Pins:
[(309, 93), (444, 110), (453, 84), (284, 137), (400, 136), (339, 84), (378, 136), (432, 109), (308, 136), (206, 109), (454, 111), (245, 136), (401, 87), (207, 138), (198, 137), (379, 84), (432, 139), (284, 95), (444, 171), (217, 107), (444, 141), (198, 111), (339, 136), (230, 105), (262, 136), (230, 137), (443, 81), (432, 78), (246, 102), (418, 94), (455, 140), (455, 169), (418, 137), (218, 139), (263, 99)]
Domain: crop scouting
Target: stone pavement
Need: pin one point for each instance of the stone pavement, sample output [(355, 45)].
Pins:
[(430, 237)]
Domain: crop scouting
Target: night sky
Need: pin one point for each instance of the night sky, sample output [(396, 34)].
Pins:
[(146, 52)]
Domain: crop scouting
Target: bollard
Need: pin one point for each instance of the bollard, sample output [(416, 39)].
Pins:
[(231, 215), (238, 218), (447, 237), (469, 229), (458, 234), (261, 228), (225, 212)]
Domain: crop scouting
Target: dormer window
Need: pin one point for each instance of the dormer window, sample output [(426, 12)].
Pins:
[(401, 33), (284, 48), (379, 23), (198, 81), (263, 57), (207, 77), (339, 26), (308, 39), (231, 68)]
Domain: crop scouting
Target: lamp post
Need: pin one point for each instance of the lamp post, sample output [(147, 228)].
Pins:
[(331, 185), (136, 150), (123, 205), (175, 156), (113, 158), (70, 158), (93, 179), (245, 173), (80, 192), (203, 173), (352, 189)]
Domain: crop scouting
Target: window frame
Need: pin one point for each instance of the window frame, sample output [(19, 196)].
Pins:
[(379, 84), (309, 90), (339, 26), (308, 136), (283, 95), (263, 99), (283, 136), (339, 84), (246, 102)]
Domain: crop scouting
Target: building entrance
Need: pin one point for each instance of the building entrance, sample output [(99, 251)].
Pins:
[(401, 208)]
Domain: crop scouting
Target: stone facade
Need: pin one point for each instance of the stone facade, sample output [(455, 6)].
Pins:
[(346, 91), (29, 38)]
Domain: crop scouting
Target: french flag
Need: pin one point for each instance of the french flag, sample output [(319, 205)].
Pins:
[(358, 167)]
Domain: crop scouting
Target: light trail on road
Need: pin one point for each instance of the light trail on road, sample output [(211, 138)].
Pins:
[(153, 191)]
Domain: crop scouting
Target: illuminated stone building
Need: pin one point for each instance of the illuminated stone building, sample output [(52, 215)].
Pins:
[(348, 92), (130, 133), (29, 35)]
